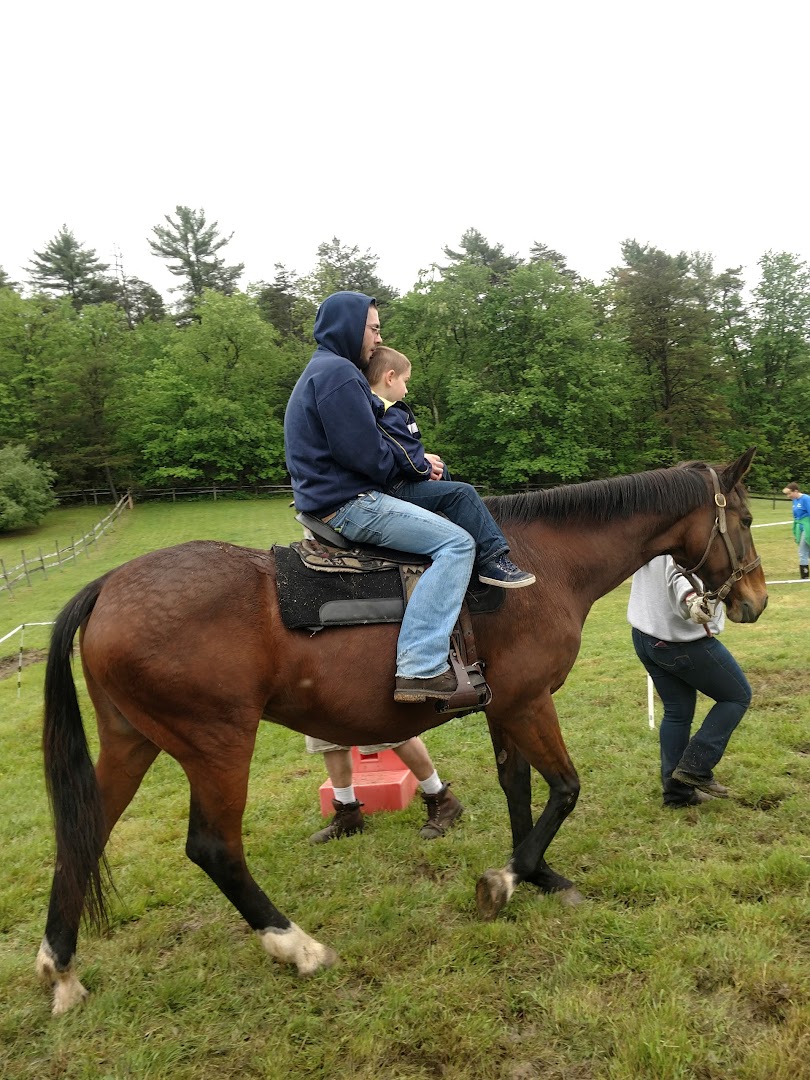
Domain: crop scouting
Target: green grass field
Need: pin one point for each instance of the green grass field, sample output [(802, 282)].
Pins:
[(690, 959)]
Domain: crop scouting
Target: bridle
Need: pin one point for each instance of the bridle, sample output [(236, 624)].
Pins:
[(737, 571)]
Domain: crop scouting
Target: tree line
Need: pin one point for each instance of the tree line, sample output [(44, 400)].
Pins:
[(524, 373)]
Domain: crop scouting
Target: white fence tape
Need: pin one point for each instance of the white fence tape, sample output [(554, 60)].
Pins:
[(21, 631)]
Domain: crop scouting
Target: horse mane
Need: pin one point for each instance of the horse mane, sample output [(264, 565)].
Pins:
[(679, 489)]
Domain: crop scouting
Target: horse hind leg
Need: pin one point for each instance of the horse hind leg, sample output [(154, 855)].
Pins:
[(124, 758), (215, 845)]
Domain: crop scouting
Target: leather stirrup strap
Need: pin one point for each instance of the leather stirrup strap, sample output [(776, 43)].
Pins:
[(469, 654)]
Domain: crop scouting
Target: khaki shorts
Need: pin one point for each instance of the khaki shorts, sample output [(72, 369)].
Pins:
[(318, 746)]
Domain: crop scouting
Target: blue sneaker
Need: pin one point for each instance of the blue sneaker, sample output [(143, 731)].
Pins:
[(503, 573)]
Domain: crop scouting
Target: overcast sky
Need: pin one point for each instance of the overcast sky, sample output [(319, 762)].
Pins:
[(397, 125)]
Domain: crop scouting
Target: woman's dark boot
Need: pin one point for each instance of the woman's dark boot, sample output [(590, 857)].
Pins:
[(347, 821), (443, 809), (804, 571)]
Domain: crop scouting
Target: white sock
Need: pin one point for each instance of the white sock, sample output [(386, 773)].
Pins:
[(431, 786), (345, 794)]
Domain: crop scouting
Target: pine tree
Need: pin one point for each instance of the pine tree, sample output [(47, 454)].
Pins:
[(190, 246), (277, 301), (67, 268), (6, 282), (477, 251)]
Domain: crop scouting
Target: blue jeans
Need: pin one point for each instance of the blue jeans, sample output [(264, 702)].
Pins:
[(679, 669), (463, 505), (432, 611), (804, 551)]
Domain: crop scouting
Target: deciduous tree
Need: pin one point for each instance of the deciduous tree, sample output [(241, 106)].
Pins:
[(342, 267), (25, 489)]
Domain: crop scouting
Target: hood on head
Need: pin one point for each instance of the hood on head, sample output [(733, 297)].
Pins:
[(341, 323)]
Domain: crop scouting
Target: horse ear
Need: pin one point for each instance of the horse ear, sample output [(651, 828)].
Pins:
[(734, 472)]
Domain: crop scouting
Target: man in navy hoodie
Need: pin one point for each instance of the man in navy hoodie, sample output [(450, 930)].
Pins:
[(341, 466)]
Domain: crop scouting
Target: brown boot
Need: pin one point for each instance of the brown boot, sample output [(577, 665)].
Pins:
[(439, 688), (347, 821), (443, 809)]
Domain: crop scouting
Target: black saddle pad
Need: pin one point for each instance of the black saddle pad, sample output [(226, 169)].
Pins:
[(312, 598)]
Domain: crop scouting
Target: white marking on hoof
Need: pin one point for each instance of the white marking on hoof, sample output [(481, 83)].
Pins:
[(67, 990), (570, 897), (493, 892), (293, 946)]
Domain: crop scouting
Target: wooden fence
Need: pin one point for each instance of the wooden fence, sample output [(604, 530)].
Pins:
[(16, 575), (97, 497)]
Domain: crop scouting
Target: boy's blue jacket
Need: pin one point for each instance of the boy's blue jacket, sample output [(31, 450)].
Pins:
[(333, 447), (398, 424)]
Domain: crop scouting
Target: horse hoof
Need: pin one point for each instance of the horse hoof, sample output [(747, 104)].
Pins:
[(67, 990), (570, 897), (290, 945), (493, 890), (325, 959)]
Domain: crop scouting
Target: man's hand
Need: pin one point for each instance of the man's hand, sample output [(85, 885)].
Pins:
[(698, 607), (436, 466)]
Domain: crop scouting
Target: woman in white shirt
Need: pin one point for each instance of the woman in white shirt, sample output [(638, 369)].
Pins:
[(674, 635)]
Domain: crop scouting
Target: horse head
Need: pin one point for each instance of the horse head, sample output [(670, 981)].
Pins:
[(718, 545)]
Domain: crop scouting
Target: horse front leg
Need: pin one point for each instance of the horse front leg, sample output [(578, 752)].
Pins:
[(514, 776), (532, 737)]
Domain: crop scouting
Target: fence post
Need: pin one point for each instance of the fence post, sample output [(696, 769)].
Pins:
[(58, 555), (42, 564), (215, 490), (25, 569), (5, 577)]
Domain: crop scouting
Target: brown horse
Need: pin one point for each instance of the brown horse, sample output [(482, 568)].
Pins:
[(183, 650)]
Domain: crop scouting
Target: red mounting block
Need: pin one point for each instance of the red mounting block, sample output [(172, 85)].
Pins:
[(381, 782)]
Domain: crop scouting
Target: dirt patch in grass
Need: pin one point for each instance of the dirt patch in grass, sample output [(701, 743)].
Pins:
[(764, 802), (770, 1003), (10, 664)]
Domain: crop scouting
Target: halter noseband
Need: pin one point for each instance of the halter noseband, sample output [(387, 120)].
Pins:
[(737, 571)]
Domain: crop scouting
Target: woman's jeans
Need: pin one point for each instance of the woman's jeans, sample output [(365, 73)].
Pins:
[(679, 669), (432, 611), (463, 505), (804, 551)]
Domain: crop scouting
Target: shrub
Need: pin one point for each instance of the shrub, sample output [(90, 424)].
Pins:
[(25, 489)]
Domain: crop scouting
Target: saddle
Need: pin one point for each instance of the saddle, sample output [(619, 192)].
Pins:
[(323, 581)]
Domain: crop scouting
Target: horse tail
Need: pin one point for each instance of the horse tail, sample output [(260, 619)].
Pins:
[(70, 777)]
